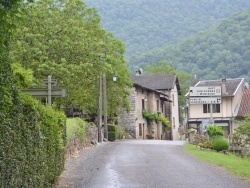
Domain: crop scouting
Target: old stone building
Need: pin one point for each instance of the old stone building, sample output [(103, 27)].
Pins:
[(156, 94)]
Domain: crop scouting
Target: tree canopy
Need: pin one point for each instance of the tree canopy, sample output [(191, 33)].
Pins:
[(64, 39)]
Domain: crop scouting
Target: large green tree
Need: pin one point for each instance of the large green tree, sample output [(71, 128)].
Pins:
[(64, 39)]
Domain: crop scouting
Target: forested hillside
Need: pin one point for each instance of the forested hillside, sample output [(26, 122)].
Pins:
[(223, 50), (145, 24)]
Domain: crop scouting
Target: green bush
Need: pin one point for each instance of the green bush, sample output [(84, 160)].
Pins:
[(219, 143), (244, 128), (214, 131), (112, 128), (112, 132)]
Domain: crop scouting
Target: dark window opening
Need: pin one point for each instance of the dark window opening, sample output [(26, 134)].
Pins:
[(140, 130), (143, 104), (215, 108)]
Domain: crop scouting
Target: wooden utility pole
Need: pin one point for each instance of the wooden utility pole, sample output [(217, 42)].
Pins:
[(100, 110), (105, 106)]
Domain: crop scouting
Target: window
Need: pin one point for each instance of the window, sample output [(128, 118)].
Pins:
[(158, 105), (162, 106), (140, 130), (173, 100), (216, 108), (143, 104)]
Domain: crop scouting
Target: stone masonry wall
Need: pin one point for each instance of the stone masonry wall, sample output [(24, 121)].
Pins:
[(239, 144), (127, 120)]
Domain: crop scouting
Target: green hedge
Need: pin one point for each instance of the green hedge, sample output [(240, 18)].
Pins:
[(32, 145), (112, 132)]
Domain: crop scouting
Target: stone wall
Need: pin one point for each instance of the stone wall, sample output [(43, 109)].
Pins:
[(239, 144), (127, 121), (196, 138), (76, 144)]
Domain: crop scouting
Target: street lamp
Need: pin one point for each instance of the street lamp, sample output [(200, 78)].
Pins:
[(105, 104), (114, 77)]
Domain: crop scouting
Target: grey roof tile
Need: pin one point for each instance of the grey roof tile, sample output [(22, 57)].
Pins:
[(157, 82), (231, 85)]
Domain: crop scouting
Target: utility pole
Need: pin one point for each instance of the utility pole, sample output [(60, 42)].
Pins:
[(105, 106), (100, 110)]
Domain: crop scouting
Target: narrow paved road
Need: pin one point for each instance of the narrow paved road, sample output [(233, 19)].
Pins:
[(143, 164)]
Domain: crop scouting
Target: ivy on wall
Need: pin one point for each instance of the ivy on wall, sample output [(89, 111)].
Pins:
[(150, 117)]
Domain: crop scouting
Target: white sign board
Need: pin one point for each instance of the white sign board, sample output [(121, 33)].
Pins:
[(205, 100), (205, 91)]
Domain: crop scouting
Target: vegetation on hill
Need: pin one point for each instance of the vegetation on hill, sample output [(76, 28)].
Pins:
[(222, 51), (145, 24)]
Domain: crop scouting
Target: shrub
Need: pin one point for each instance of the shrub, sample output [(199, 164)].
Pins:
[(244, 128), (214, 131), (112, 132), (219, 144)]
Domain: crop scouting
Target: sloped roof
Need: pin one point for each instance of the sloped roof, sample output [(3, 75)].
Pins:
[(232, 85), (245, 103), (157, 82), (162, 95), (150, 89)]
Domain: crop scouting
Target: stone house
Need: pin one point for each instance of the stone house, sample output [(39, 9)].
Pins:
[(156, 94), (234, 105)]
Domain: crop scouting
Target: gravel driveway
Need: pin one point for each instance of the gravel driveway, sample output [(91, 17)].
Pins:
[(143, 164)]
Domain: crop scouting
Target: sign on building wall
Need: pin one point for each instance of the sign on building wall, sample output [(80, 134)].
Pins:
[(205, 100), (205, 91)]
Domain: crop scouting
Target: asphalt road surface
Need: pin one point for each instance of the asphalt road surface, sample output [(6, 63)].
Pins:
[(143, 164)]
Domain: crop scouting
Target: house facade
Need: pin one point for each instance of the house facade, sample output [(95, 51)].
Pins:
[(155, 94), (197, 116)]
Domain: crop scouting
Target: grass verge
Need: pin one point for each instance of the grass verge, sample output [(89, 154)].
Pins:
[(75, 126), (234, 164)]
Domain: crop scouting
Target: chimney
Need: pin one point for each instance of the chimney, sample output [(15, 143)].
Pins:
[(138, 72), (223, 87)]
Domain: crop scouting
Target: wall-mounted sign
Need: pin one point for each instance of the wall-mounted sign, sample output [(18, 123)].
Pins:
[(205, 91), (205, 100)]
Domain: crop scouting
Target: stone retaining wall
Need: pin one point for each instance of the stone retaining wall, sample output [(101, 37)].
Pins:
[(239, 144), (76, 144), (196, 138)]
